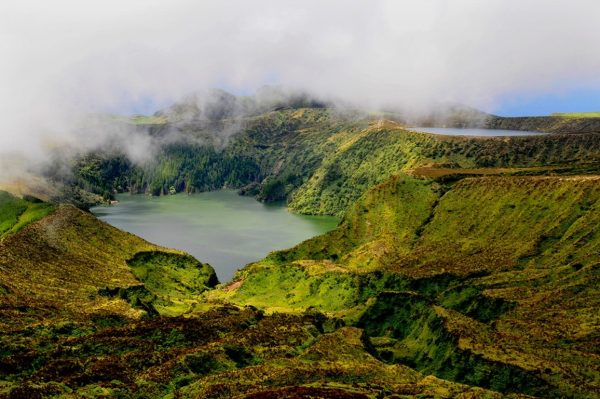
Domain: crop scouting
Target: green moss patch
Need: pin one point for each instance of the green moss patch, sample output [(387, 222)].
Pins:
[(16, 213), (176, 279)]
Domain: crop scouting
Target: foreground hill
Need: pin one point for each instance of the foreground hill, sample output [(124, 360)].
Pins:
[(70, 265), (84, 312), (491, 281)]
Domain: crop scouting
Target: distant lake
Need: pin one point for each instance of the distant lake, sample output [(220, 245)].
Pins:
[(450, 131), (220, 227)]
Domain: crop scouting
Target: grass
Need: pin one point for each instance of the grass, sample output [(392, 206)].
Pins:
[(72, 262), (577, 114), (489, 281), (502, 271), (225, 352), (16, 213), (176, 279)]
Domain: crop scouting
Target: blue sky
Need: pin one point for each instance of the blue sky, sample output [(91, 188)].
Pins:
[(526, 104), (520, 104)]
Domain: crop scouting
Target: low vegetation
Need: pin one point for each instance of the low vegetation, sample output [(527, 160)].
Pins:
[(462, 267), (496, 275), (16, 213), (69, 265), (577, 114), (175, 279)]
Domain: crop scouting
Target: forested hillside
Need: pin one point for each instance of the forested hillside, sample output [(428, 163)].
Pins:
[(317, 159)]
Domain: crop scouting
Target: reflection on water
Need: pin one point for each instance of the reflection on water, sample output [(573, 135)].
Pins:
[(220, 227)]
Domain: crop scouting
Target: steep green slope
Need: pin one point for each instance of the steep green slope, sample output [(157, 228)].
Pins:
[(386, 149), (72, 264), (490, 281), (318, 159)]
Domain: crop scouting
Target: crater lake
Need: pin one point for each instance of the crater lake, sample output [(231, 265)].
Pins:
[(221, 228)]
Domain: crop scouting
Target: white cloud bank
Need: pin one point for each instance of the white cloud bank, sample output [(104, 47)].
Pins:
[(62, 57)]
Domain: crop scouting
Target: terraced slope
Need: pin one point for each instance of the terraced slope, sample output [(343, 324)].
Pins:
[(491, 281)]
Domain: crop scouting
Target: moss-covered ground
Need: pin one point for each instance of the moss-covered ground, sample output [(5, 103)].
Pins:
[(16, 213), (72, 266)]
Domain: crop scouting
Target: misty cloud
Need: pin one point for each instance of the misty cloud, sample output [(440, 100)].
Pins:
[(63, 59)]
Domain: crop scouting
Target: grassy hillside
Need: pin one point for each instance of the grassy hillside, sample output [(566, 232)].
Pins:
[(577, 114), (489, 281), (70, 265), (386, 149), (463, 267), (16, 213), (578, 123), (317, 159), (87, 310), (489, 284)]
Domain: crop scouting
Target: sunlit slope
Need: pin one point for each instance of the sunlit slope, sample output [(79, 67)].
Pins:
[(385, 148), (83, 311), (69, 264), (16, 213), (492, 281)]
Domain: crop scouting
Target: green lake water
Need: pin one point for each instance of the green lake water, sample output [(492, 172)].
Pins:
[(220, 227)]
